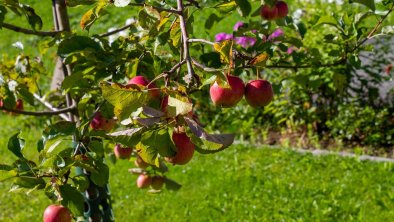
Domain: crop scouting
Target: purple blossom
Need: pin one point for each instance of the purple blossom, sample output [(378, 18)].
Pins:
[(238, 25), (245, 41), (291, 49), (277, 33), (223, 36)]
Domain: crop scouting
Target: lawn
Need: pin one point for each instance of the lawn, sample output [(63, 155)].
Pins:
[(240, 184)]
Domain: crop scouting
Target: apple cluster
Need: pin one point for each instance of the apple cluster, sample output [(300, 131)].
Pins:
[(277, 11), (258, 93)]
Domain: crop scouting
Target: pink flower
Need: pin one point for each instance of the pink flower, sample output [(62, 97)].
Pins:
[(238, 25), (245, 41), (291, 49), (223, 36), (277, 33)]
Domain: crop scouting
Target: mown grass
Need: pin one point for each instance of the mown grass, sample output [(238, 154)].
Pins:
[(239, 184)]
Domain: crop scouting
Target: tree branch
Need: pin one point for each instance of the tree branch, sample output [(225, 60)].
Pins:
[(40, 113), (29, 31), (115, 31), (185, 40), (201, 41), (49, 106)]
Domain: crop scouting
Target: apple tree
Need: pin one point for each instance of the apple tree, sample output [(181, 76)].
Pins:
[(136, 94)]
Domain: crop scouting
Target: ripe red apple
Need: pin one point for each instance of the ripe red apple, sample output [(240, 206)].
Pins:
[(142, 81), (57, 213), (99, 122), (282, 9), (185, 149), (157, 182), (259, 93), (122, 152), (268, 12), (144, 181), (140, 163), (19, 104), (227, 97)]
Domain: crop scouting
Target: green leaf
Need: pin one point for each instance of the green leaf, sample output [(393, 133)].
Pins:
[(92, 15), (101, 176), (8, 174), (178, 107), (207, 143), (57, 144), (130, 137), (29, 182), (175, 34), (149, 18), (9, 100), (329, 20), (73, 3), (61, 128), (15, 145), (97, 146), (77, 43), (81, 182), (124, 98), (226, 7), (72, 199), (3, 11), (160, 140), (369, 3), (155, 142), (244, 6), (225, 50), (25, 94), (33, 19)]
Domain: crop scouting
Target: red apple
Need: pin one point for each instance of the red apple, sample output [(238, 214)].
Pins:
[(57, 213), (142, 81), (259, 93), (19, 104), (140, 163), (227, 97), (282, 9), (268, 12), (122, 152), (99, 122), (185, 149), (144, 181), (157, 182)]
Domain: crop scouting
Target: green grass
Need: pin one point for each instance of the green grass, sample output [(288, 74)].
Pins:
[(239, 184)]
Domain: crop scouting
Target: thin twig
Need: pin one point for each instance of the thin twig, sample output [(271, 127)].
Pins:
[(115, 31), (49, 106), (165, 74), (40, 113), (29, 31), (201, 41), (160, 9), (174, 68)]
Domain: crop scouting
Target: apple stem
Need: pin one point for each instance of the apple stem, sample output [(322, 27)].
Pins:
[(257, 74)]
